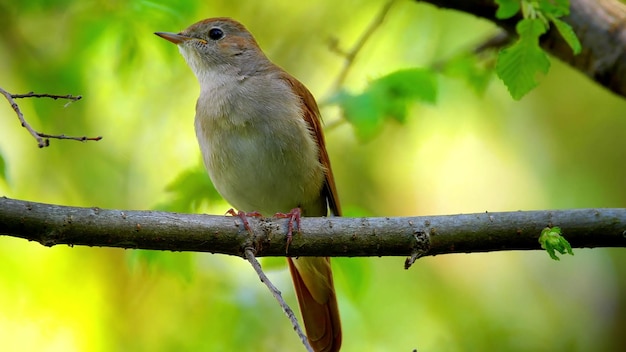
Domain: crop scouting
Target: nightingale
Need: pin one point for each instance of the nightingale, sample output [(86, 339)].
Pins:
[(260, 134)]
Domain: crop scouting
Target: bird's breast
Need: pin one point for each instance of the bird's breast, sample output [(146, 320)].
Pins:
[(259, 151)]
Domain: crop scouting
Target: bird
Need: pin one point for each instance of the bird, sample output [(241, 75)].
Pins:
[(260, 134)]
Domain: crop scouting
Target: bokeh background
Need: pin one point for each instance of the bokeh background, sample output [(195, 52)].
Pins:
[(562, 146)]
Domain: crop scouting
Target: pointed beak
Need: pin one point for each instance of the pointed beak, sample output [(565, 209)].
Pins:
[(173, 37)]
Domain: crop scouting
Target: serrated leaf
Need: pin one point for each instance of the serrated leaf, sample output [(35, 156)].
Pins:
[(568, 34), (519, 64), (507, 8)]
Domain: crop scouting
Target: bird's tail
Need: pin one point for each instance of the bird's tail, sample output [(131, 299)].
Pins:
[(313, 281)]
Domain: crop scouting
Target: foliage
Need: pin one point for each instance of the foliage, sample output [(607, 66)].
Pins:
[(388, 97), (519, 64), (475, 69), (469, 153), (552, 241)]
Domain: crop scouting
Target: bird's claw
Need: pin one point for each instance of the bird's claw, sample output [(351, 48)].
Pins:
[(293, 215)]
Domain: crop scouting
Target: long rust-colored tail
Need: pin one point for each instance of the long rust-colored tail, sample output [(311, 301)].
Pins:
[(313, 281), (312, 276)]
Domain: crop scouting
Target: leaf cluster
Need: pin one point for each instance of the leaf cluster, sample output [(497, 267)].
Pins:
[(386, 98), (519, 64)]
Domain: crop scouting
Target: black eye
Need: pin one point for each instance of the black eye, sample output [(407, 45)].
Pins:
[(216, 33)]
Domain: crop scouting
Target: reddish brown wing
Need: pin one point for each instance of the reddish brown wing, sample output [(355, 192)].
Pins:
[(312, 276), (313, 118)]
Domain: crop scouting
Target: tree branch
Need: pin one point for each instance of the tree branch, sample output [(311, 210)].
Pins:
[(43, 139), (249, 255), (599, 24), (349, 237)]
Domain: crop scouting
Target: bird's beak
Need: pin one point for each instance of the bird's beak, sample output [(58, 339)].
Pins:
[(173, 37)]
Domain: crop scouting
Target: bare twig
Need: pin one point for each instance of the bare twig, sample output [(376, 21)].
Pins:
[(40, 141), (52, 96), (43, 139), (491, 43), (62, 136), (249, 254), (351, 55)]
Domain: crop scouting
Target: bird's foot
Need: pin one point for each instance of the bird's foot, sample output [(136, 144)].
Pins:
[(244, 218), (293, 215)]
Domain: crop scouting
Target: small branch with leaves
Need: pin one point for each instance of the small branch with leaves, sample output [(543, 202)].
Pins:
[(588, 35), (43, 139)]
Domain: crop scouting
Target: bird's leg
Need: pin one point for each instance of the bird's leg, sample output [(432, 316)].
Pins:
[(293, 215), (244, 218)]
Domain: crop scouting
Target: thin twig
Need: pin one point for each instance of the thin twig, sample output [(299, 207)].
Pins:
[(43, 139), (249, 253), (41, 142), (351, 55), (52, 96), (494, 42), (73, 138)]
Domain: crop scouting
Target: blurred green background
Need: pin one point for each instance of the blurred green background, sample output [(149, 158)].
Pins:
[(563, 146)]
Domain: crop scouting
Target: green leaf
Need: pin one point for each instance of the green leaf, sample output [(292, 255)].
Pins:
[(519, 64), (476, 70), (386, 97), (415, 84), (507, 8), (552, 241), (568, 34), (363, 111), (556, 8), (189, 191)]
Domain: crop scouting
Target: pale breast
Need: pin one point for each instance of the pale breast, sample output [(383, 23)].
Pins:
[(257, 148)]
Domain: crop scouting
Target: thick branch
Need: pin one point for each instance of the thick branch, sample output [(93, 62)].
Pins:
[(599, 24), (425, 235)]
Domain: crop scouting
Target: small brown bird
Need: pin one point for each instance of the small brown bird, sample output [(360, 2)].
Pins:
[(262, 143)]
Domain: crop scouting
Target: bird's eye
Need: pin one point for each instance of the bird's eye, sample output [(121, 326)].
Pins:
[(216, 33)]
